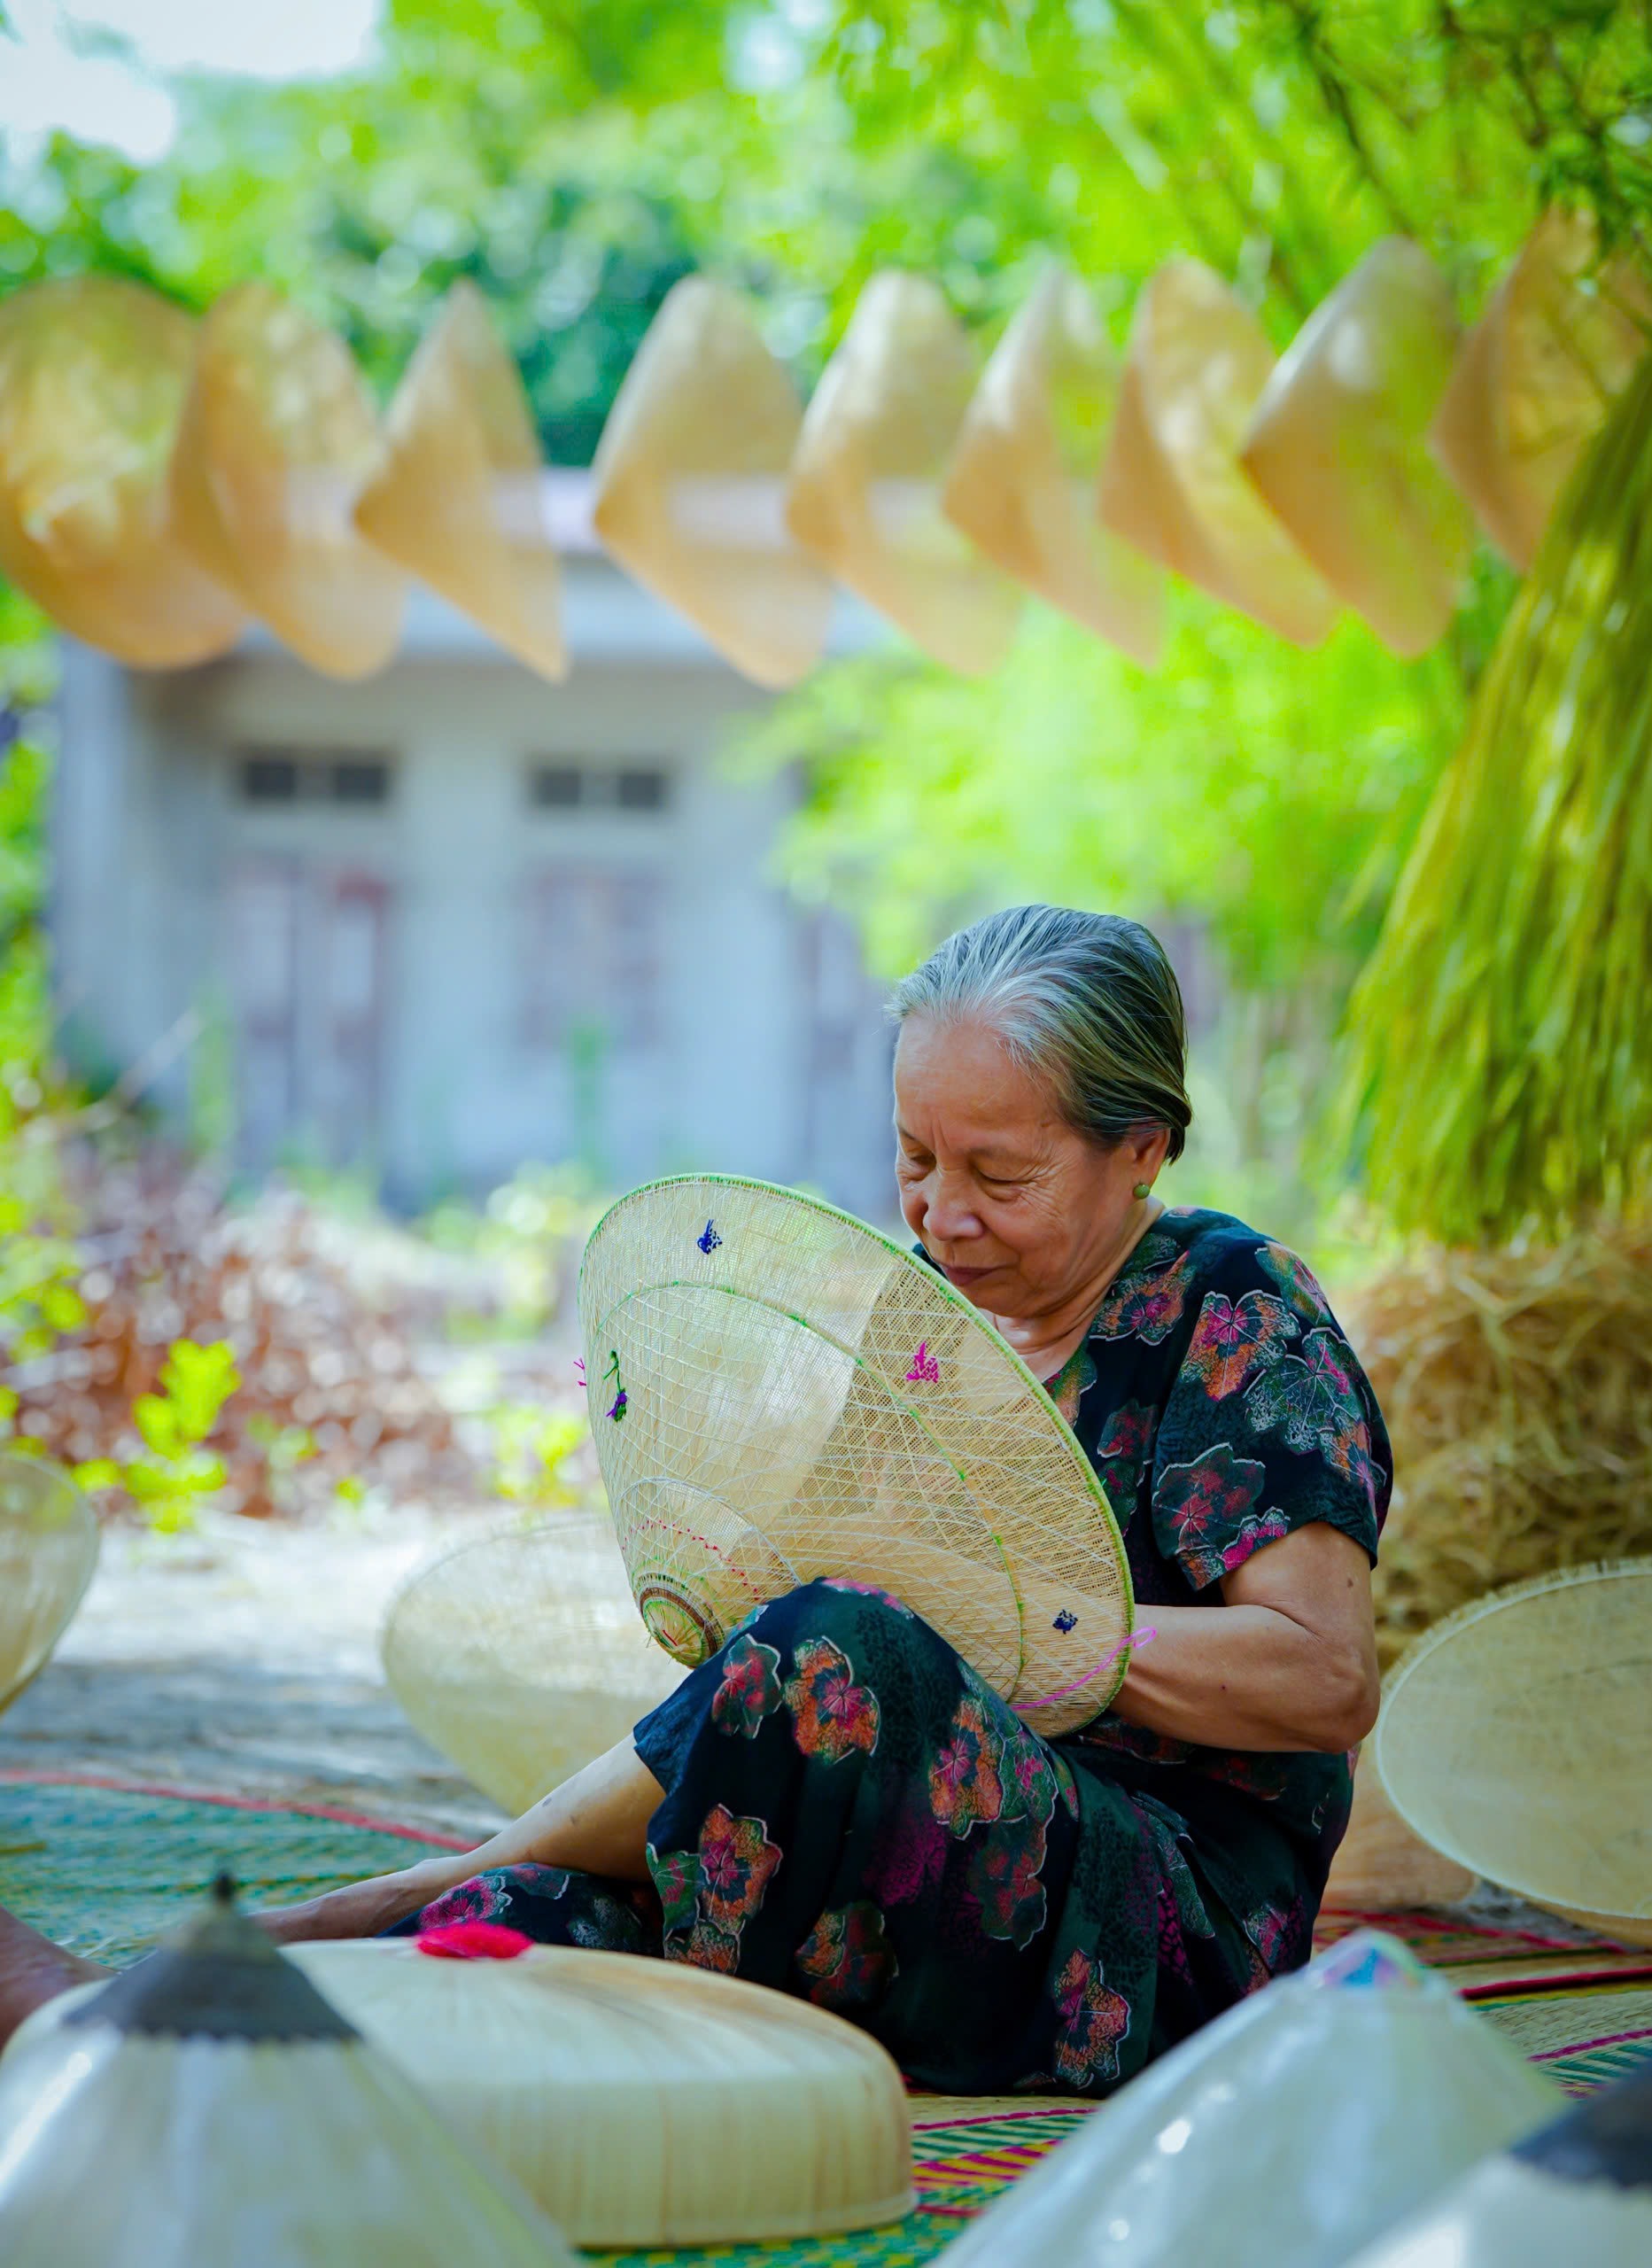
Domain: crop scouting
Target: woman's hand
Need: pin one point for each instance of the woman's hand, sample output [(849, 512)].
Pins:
[(1289, 1663)]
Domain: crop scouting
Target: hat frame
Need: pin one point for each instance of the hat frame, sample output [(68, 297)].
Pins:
[(1098, 1689), (1628, 1928)]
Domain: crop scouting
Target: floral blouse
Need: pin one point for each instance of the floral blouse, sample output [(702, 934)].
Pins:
[(1220, 1402)]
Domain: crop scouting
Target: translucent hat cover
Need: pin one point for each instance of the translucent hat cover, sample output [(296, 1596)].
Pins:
[(1022, 481), (1514, 1737), (277, 438), (1559, 337), (1338, 445), (866, 480), (522, 1656), (48, 1550), (779, 1393), (1171, 483), (1307, 2119), (689, 481), (94, 371), (456, 499), (1579, 2191)]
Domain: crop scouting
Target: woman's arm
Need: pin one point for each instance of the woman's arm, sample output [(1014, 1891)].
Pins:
[(597, 1821), (1288, 1662)]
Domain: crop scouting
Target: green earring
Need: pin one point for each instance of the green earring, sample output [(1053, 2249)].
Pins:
[(1144, 1189)]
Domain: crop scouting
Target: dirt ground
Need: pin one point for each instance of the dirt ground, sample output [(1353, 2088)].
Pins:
[(243, 1657)]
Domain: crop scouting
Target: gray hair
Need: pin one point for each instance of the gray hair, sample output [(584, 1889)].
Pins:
[(1088, 1002)]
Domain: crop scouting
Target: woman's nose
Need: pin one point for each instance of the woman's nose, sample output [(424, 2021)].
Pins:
[(948, 1215)]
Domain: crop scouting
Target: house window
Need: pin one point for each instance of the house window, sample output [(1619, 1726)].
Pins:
[(594, 956), (565, 786), (349, 776)]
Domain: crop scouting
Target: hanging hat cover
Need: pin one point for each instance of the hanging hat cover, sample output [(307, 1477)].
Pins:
[(690, 478), (1288, 2131), (779, 1394), (48, 1550), (94, 371), (866, 495), (457, 499), (1022, 481)]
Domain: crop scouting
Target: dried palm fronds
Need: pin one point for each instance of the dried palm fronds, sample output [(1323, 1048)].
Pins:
[(1517, 1388), (1501, 1035)]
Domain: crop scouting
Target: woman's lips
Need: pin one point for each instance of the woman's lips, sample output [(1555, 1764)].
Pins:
[(962, 1277)]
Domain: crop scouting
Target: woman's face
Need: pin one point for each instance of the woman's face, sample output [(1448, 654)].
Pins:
[(1019, 1210)]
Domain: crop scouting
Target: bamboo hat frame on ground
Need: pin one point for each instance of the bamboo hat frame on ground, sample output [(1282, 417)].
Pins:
[(688, 482), (208, 2109), (522, 1656), (866, 478), (277, 438), (1171, 483), (639, 2102), (1559, 339), (457, 499), (93, 374), (779, 1394), (1023, 474), (1579, 2191), (1338, 447), (48, 1550), (1514, 1737), (1293, 2129)]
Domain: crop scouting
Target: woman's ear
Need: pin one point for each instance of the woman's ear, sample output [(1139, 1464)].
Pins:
[(1146, 1148)]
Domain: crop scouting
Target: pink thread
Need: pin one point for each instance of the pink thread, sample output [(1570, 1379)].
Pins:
[(1135, 1638), (925, 1371), (580, 1367)]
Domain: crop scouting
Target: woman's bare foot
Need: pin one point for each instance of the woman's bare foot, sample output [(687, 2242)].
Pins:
[(360, 1909), (33, 1971)]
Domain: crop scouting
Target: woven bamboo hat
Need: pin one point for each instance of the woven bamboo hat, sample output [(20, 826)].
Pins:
[(521, 1655), (1514, 1738), (779, 1393), (48, 1550), (638, 2102)]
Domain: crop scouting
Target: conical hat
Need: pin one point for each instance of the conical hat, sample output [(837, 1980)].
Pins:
[(457, 498), (1515, 1737), (522, 1656), (209, 2107), (93, 374), (688, 482), (779, 1393), (1284, 2135), (640, 2102), (1023, 477), (1338, 447), (276, 440), (1171, 483), (866, 488), (48, 1550), (1536, 376), (1579, 2191)]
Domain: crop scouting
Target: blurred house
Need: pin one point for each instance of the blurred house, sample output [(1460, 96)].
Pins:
[(453, 918)]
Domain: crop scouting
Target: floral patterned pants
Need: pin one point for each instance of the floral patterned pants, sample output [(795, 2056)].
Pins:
[(851, 1815)]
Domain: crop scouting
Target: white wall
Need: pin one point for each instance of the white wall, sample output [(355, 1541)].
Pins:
[(150, 829)]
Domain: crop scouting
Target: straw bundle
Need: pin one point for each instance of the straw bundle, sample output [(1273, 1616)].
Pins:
[(1517, 1389)]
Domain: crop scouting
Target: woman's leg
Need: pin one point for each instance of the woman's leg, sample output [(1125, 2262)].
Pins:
[(33, 1971)]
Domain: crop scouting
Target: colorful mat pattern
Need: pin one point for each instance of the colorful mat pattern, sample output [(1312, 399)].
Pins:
[(102, 1866)]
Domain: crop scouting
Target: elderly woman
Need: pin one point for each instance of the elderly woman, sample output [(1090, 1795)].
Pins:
[(834, 1804)]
